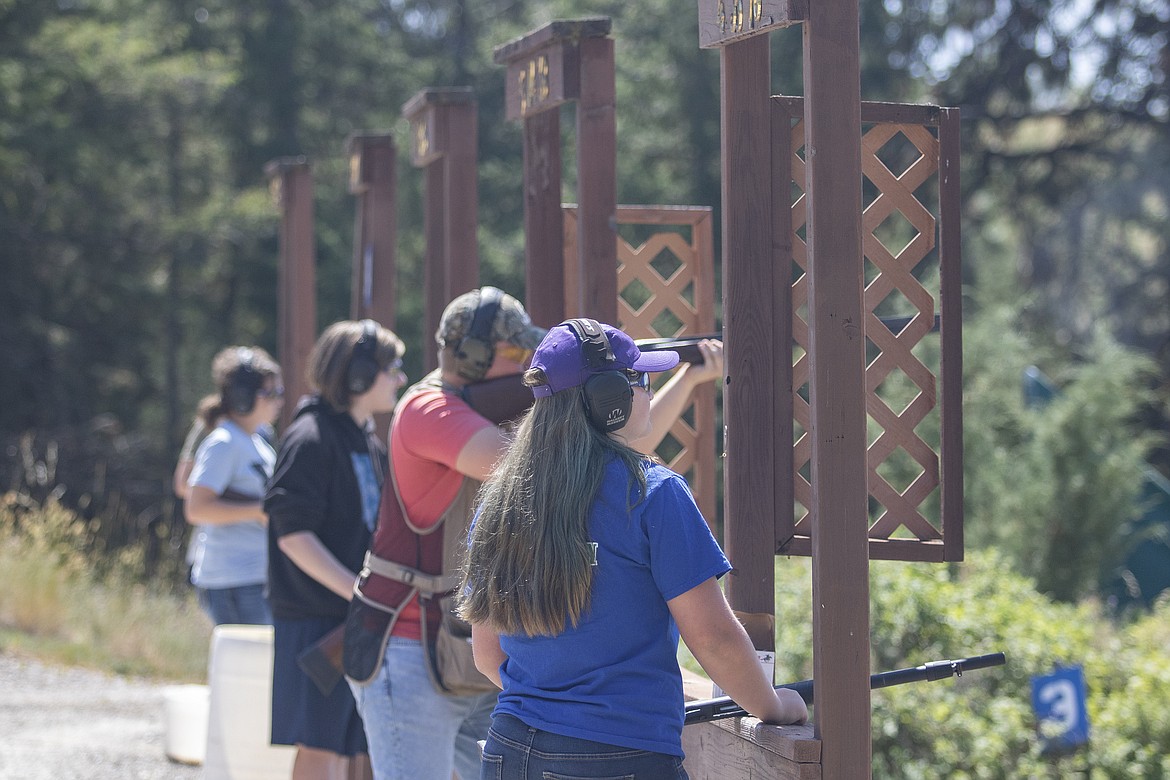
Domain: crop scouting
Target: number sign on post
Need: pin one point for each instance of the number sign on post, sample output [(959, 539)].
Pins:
[(1059, 702), (724, 21), (566, 61)]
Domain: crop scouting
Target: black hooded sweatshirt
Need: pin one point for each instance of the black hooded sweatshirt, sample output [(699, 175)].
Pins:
[(327, 480)]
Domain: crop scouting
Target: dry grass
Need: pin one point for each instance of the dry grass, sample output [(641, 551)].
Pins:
[(53, 605)]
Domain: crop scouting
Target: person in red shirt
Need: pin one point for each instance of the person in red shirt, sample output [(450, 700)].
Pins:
[(440, 451)]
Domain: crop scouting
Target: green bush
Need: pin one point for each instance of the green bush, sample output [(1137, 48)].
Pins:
[(982, 724)]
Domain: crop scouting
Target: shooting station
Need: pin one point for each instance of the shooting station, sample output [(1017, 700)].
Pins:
[(841, 318), (807, 269)]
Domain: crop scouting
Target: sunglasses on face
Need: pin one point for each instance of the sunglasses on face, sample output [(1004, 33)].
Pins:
[(638, 379), (514, 353), (275, 392)]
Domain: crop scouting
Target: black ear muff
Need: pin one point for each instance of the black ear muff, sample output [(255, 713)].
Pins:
[(477, 349), (608, 400), (239, 395), (363, 366), (608, 395)]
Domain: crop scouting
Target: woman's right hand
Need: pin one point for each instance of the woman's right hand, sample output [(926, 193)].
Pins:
[(790, 709)]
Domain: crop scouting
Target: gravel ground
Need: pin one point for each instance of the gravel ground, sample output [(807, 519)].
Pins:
[(77, 724)]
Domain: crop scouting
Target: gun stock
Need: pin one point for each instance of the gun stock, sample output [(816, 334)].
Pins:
[(724, 707), (322, 660), (500, 400)]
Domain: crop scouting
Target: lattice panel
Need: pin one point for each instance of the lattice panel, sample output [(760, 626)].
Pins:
[(666, 288), (907, 182)]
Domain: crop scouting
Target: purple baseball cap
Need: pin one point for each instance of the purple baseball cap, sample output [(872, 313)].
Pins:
[(566, 365)]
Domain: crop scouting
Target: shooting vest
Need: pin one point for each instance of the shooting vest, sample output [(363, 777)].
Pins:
[(405, 560)]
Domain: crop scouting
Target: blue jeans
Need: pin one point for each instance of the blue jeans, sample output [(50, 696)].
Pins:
[(415, 732), (243, 604), (516, 751)]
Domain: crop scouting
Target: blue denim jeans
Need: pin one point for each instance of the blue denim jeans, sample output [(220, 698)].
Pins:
[(243, 604), (516, 751), (415, 732)]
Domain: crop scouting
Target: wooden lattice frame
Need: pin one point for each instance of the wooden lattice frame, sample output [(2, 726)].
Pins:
[(666, 288), (900, 528)]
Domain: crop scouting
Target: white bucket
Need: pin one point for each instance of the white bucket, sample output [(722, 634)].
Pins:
[(239, 726), (186, 722)]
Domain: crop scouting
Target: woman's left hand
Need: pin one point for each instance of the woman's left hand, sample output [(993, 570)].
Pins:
[(711, 369)]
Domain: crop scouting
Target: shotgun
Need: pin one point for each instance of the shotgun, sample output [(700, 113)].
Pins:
[(723, 706), (505, 398)]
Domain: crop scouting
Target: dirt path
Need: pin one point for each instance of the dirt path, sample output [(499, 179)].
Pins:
[(76, 724)]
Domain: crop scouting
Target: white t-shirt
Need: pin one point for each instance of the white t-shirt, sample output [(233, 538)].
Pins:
[(234, 554)]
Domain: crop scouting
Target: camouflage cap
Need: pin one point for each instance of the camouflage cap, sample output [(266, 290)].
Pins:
[(512, 324)]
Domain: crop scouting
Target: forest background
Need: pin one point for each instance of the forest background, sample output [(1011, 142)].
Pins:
[(138, 235)]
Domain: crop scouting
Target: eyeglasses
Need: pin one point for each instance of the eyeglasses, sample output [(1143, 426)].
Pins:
[(393, 367), (514, 353), (638, 379), (276, 392)]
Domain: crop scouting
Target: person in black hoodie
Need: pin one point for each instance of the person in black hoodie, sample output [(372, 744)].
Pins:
[(322, 503)]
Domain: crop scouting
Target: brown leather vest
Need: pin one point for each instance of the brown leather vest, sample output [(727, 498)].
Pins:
[(404, 559)]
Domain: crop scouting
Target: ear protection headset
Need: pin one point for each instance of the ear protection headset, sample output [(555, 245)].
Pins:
[(476, 350), (608, 395), (363, 366), (239, 393)]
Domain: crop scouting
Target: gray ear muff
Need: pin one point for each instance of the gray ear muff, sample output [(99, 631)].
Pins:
[(363, 366), (476, 350)]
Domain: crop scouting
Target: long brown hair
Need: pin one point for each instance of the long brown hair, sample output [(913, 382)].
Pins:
[(529, 564)]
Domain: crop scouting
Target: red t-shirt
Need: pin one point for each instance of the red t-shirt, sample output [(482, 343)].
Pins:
[(430, 428)]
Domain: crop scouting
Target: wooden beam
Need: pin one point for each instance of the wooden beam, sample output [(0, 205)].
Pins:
[(951, 322), (749, 308), (596, 183), (544, 265), (840, 561), (444, 136), (373, 179), (291, 183)]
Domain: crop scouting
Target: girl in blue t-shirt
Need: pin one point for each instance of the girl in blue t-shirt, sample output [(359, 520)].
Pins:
[(587, 560), (229, 554)]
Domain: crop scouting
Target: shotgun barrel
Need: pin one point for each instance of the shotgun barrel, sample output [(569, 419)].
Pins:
[(724, 707)]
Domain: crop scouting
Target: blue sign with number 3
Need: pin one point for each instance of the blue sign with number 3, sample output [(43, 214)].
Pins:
[(1059, 702)]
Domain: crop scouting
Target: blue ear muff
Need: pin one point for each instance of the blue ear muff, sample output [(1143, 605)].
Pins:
[(607, 393)]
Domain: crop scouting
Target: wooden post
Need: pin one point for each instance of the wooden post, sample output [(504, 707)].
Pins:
[(544, 270), (564, 61), (840, 543), (291, 183), (444, 135), (372, 178), (751, 286), (596, 277)]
